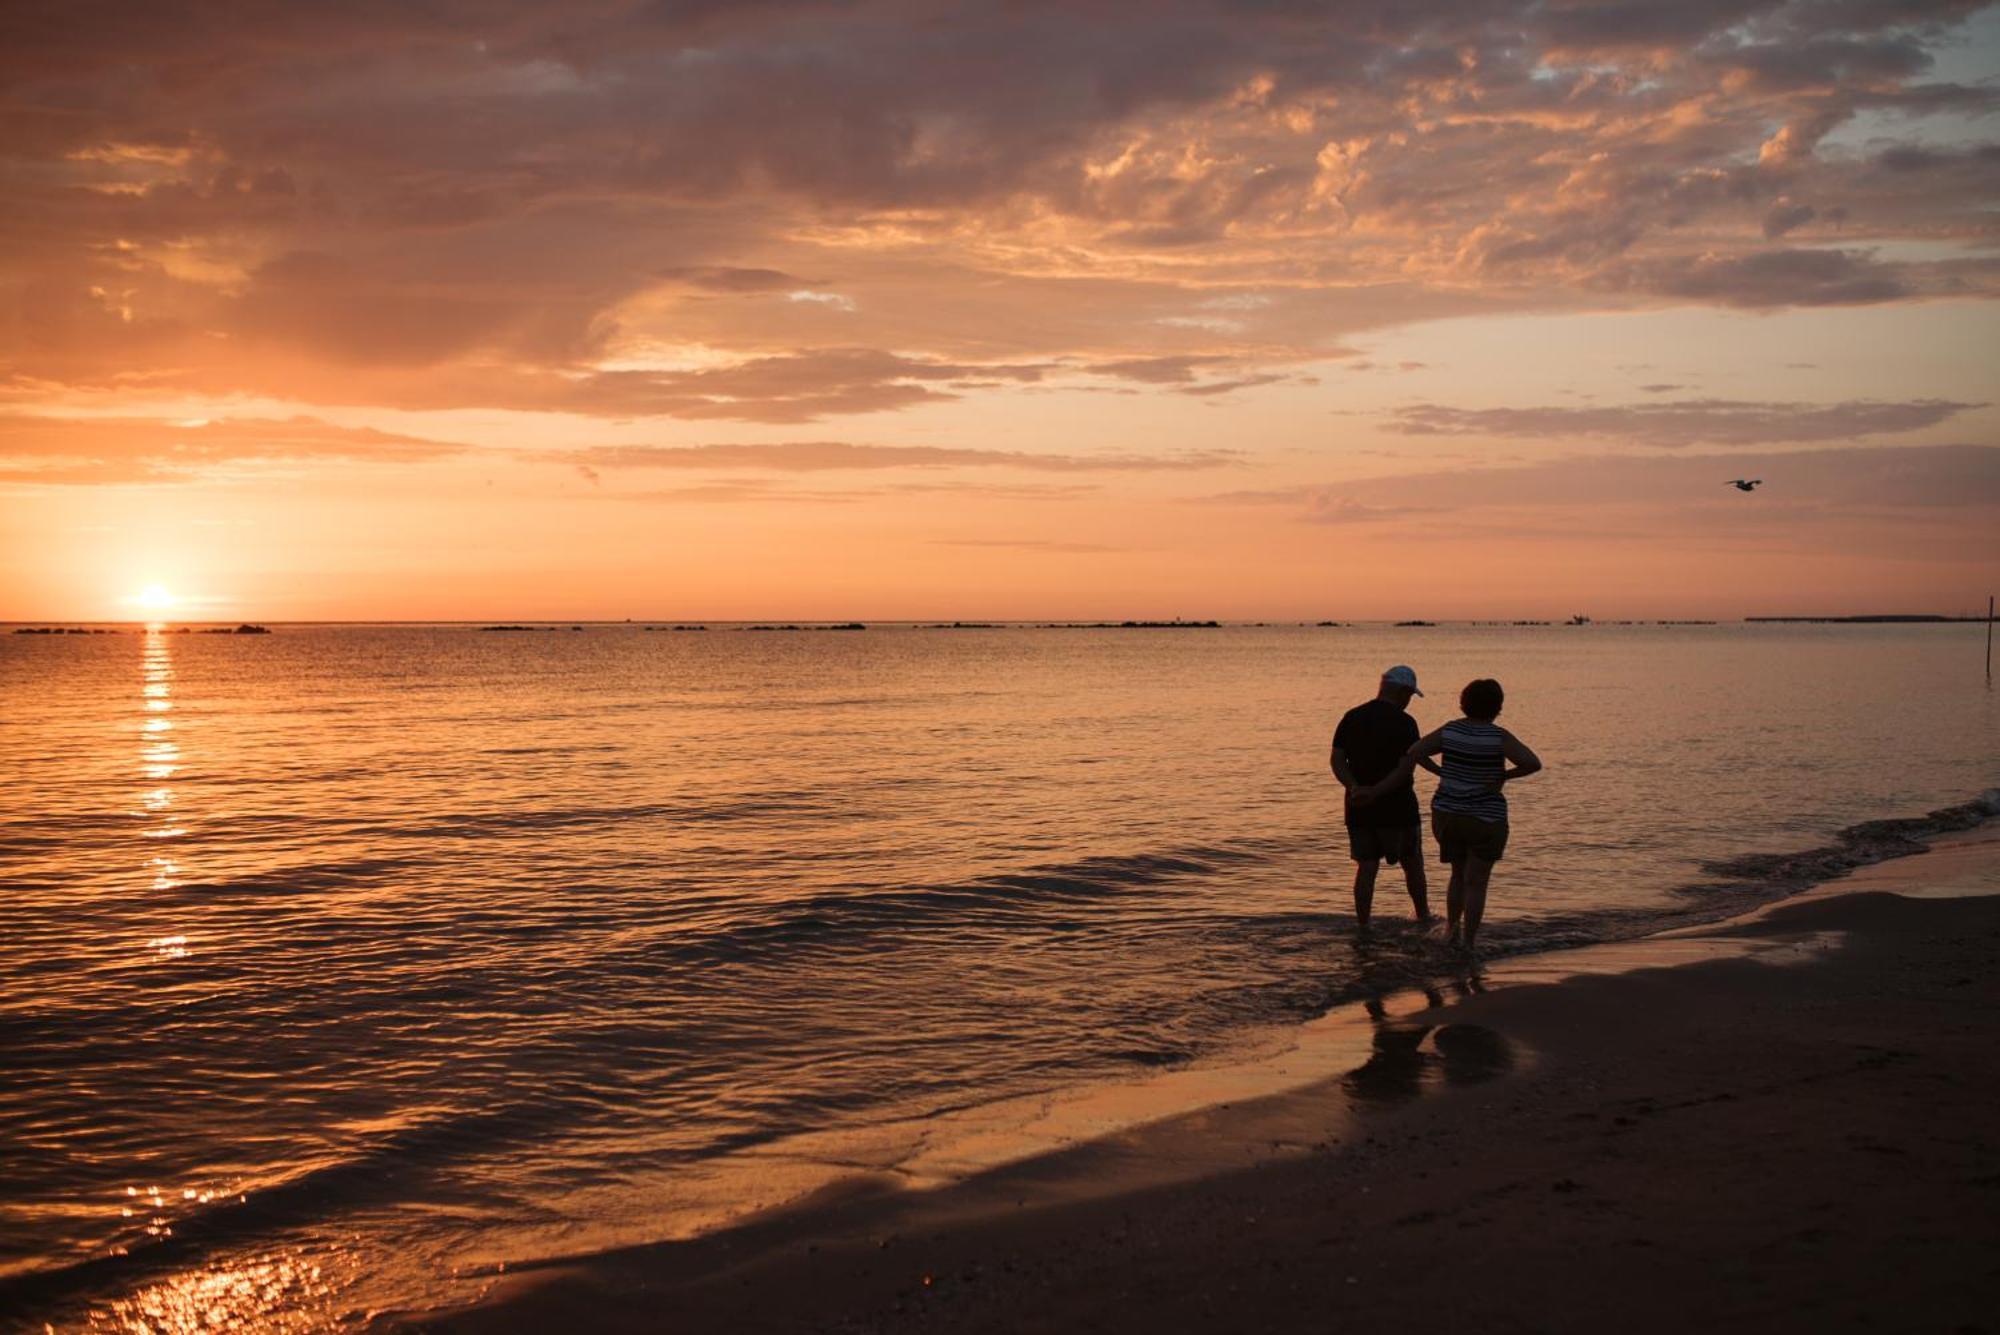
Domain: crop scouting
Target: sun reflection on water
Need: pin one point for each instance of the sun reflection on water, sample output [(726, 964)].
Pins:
[(282, 1292), (159, 761), (157, 753)]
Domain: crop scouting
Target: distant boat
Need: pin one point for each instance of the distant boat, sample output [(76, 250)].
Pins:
[(1578, 620), (1416, 623)]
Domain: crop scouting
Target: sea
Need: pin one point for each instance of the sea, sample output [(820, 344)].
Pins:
[(345, 965)]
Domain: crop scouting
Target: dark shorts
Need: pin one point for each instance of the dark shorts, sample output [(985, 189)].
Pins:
[(1459, 835), (1385, 843)]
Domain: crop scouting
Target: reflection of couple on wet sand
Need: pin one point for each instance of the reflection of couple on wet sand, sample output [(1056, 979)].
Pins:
[(1408, 1053), (1376, 750)]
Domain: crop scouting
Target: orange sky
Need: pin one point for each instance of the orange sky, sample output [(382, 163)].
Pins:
[(880, 310)]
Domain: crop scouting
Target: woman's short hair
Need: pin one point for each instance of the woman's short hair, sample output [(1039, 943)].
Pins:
[(1481, 699)]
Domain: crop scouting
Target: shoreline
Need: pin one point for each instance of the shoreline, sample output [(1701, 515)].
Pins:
[(1088, 1213)]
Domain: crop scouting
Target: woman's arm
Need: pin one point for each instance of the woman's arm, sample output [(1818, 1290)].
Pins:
[(1526, 762), (1420, 753)]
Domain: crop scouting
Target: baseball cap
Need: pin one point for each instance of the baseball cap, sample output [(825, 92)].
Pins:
[(1402, 676)]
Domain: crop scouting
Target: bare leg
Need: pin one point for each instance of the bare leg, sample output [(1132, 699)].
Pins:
[(1454, 900), (1364, 891), (1478, 874), (1418, 883)]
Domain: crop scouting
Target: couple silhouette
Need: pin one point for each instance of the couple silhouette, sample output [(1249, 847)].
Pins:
[(1376, 753)]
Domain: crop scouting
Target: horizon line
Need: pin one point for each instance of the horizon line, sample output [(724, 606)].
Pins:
[(1115, 620)]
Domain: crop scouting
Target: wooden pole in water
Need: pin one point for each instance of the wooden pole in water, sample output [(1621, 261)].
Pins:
[(1989, 639)]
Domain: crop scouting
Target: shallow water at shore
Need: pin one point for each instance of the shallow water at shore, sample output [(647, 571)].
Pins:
[(347, 955), (1722, 1120)]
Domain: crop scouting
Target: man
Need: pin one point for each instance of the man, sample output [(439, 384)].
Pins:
[(1368, 747)]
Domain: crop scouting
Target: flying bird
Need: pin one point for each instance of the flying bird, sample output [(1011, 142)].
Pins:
[(1744, 484)]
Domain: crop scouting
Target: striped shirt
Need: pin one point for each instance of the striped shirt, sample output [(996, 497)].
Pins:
[(1473, 763)]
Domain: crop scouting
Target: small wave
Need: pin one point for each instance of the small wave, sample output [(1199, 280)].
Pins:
[(304, 879), (1741, 883), (1856, 846), (377, 1171), (1001, 899), (490, 824), (1162, 1056), (62, 833), (1409, 958), (1092, 876)]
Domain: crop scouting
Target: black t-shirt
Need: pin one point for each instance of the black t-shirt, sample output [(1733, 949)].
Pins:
[(1375, 736)]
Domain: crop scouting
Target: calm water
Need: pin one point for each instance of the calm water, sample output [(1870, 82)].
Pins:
[(345, 956)]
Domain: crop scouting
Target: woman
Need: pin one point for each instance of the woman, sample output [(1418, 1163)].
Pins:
[(1469, 808)]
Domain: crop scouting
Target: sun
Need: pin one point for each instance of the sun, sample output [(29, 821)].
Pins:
[(155, 598)]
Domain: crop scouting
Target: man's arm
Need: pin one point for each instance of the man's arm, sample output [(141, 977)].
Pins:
[(1420, 753), (1344, 771)]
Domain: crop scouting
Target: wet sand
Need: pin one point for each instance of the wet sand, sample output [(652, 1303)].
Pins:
[(1787, 1122)]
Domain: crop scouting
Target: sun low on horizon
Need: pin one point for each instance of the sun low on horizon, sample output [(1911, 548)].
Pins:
[(1191, 309), (155, 598)]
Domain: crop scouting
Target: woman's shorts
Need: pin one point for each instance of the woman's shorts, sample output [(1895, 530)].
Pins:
[(1459, 834)]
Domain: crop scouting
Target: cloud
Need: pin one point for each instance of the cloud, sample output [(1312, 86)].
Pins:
[(1317, 504), (496, 206), (1911, 481), (1015, 491), (736, 492), (40, 449), (1215, 387), (758, 489), (1685, 422), (1785, 216), (1181, 372), (789, 387), (1771, 278), (1175, 370), (729, 279), (827, 456), (833, 299), (1025, 544)]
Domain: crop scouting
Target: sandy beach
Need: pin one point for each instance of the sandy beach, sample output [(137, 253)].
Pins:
[(1783, 1121)]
